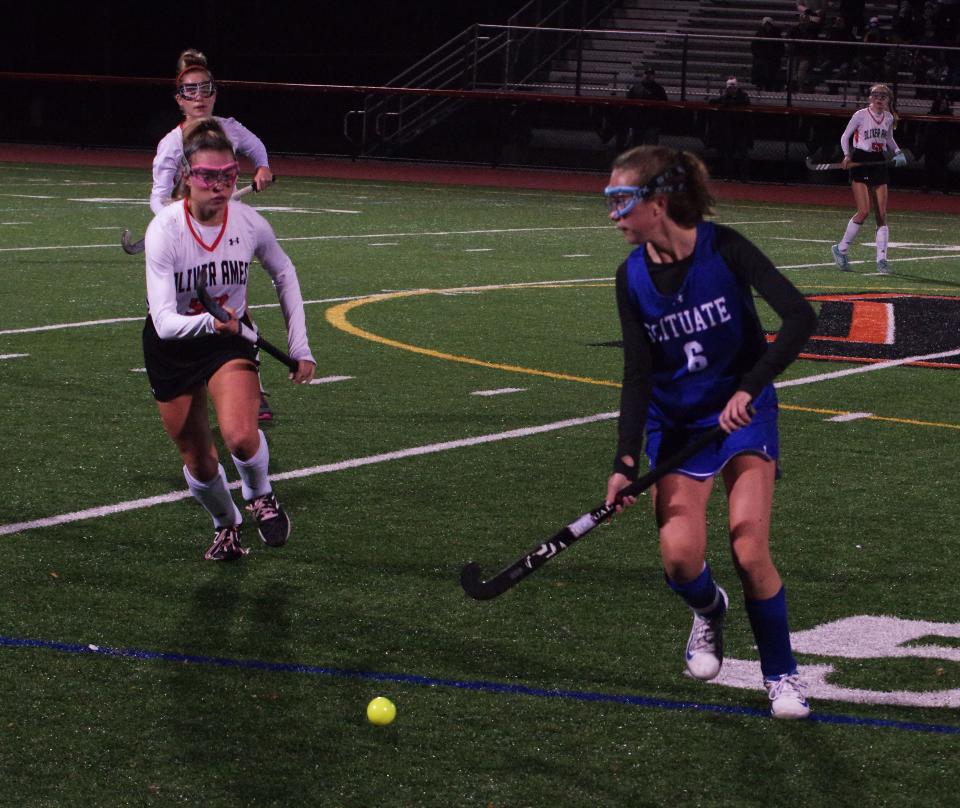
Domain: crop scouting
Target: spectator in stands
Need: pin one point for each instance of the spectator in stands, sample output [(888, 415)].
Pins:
[(730, 131), (935, 144), (836, 61), (645, 122), (870, 62), (948, 20), (853, 11), (905, 27), (767, 49), (802, 52), (816, 11)]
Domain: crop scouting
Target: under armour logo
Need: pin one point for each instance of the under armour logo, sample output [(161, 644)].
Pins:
[(232, 241)]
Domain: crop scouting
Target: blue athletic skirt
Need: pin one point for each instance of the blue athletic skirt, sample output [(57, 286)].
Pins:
[(761, 437)]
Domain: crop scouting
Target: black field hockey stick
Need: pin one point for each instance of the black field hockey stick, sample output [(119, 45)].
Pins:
[(246, 332), (476, 587), (136, 247), (836, 166)]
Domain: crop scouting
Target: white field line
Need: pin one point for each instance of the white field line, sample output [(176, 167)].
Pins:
[(892, 363), (499, 231), (893, 261), (114, 320), (320, 301), (433, 448), (343, 465)]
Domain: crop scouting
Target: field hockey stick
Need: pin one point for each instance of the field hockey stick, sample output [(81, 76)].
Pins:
[(136, 247), (476, 587), (835, 166), (246, 332)]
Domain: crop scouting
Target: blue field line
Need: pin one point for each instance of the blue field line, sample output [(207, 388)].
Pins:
[(477, 685)]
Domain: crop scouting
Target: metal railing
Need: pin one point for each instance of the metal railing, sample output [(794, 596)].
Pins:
[(596, 62)]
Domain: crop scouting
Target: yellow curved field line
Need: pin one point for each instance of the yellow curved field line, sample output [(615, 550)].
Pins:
[(337, 317)]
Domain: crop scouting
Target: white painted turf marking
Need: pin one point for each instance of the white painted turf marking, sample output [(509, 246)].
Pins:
[(498, 392), (850, 416), (415, 451), (330, 379), (433, 448), (13, 355)]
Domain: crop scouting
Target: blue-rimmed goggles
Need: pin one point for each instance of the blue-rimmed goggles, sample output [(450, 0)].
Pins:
[(621, 199)]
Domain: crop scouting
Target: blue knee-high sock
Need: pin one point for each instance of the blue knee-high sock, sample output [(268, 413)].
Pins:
[(771, 630), (700, 594)]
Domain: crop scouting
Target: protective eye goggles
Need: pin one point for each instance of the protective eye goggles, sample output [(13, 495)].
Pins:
[(194, 90), (879, 95), (621, 199), (211, 176)]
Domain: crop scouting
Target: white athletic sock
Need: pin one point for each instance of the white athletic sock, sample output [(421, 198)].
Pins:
[(849, 235), (215, 498), (254, 474), (883, 238)]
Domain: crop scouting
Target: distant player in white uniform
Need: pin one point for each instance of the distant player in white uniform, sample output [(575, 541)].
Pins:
[(196, 95), (867, 139), (188, 353)]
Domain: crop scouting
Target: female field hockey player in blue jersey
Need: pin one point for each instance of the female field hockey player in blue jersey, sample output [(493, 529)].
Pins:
[(695, 355)]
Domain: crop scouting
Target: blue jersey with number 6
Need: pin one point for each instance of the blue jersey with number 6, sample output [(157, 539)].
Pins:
[(703, 338)]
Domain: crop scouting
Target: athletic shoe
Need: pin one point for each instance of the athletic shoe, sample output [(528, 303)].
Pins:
[(840, 259), (265, 414), (788, 696), (704, 654), (271, 520), (226, 545), (883, 268)]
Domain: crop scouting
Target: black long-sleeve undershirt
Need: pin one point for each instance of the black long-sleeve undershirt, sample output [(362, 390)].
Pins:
[(751, 267)]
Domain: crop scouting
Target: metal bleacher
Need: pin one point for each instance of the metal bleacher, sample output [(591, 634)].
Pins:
[(694, 45)]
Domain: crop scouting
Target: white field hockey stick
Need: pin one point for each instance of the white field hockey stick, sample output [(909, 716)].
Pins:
[(136, 247), (836, 166)]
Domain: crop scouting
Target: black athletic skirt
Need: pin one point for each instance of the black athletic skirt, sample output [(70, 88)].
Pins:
[(871, 175), (175, 366)]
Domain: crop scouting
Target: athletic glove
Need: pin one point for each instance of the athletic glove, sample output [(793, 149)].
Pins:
[(899, 159)]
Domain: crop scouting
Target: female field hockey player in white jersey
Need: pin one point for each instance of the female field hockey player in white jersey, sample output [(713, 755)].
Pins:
[(196, 94), (695, 355), (189, 353), (867, 138)]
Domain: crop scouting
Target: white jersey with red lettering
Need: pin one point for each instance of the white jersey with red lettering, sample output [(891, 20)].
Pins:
[(166, 163), (178, 248), (869, 132)]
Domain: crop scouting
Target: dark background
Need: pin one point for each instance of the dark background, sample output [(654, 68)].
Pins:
[(343, 43), (321, 42)]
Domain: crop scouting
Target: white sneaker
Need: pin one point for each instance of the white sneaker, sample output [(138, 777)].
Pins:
[(788, 696), (704, 654), (840, 258)]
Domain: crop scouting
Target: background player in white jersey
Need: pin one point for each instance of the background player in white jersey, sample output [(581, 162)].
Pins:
[(695, 355), (189, 354), (196, 95), (867, 138)]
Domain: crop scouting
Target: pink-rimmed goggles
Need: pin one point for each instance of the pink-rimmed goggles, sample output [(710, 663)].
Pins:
[(210, 176)]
